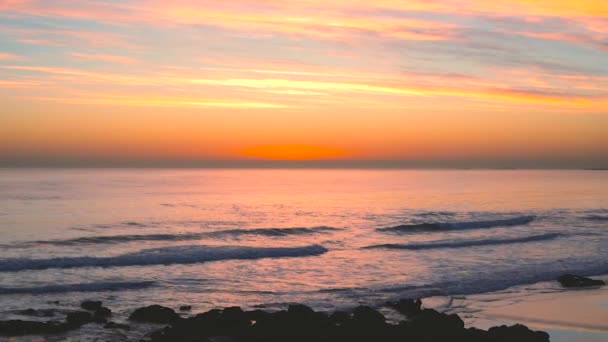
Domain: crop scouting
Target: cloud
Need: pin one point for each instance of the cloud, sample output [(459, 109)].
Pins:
[(104, 58), (9, 57)]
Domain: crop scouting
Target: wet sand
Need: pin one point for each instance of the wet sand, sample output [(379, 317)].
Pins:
[(567, 315)]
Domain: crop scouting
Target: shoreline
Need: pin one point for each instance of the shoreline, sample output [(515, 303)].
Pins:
[(564, 314)]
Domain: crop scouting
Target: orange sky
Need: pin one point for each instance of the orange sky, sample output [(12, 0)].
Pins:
[(449, 82)]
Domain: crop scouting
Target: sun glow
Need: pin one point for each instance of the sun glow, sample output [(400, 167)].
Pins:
[(292, 152)]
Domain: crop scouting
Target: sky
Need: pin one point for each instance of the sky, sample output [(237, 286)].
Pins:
[(445, 83)]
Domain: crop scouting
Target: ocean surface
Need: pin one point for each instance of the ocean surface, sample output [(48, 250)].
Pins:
[(265, 238)]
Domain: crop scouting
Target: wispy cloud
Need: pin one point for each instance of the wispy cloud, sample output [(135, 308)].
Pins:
[(104, 58)]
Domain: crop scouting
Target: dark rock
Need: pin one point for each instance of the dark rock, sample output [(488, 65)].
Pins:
[(38, 313), (103, 312), (185, 308), (257, 315), (432, 319), (339, 317), (91, 305), (79, 318), (407, 307), (569, 280), (154, 314), (518, 332), (19, 327), (300, 323), (29, 312), (367, 315), (112, 325)]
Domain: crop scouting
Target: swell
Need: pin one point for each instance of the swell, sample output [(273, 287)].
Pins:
[(84, 287), (273, 231), (597, 218), (405, 228), (113, 239), (163, 256), (469, 243)]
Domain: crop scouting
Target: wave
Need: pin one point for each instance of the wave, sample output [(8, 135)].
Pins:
[(109, 239), (273, 231), (597, 218), (85, 287), (162, 256), (405, 228), (469, 243)]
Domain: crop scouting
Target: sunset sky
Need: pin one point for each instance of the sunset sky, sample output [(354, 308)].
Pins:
[(465, 83)]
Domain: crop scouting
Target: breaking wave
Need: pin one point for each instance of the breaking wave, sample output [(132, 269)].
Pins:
[(469, 243), (163, 256), (109, 239), (515, 221)]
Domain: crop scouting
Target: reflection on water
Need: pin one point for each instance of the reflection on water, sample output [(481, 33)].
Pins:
[(245, 237)]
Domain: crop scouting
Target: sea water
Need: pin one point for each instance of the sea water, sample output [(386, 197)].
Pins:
[(264, 238)]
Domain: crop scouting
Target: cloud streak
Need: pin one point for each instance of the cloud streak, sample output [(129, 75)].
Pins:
[(312, 72)]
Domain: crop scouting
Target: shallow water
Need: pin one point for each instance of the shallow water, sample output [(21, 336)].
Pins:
[(263, 238)]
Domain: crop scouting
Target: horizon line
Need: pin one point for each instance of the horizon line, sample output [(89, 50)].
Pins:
[(309, 164)]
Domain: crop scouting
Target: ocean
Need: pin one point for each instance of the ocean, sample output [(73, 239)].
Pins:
[(264, 238)]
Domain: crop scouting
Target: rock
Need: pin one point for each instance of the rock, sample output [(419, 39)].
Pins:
[(432, 319), (518, 332), (407, 307), (257, 315), (300, 323), (103, 312), (299, 311), (91, 305), (569, 280), (38, 313), (339, 317), (154, 314), (367, 315), (185, 308), (112, 325), (19, 327), (79, 318)]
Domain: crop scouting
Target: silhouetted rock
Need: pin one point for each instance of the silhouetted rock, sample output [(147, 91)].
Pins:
[(569, 280), (407, 307), (367, 315), (185, 308), (154, 314), (19, 327), (339, 317), (79, 318), (300, 323), (91, 305), (38, 313), (518, 332), (256, 315), (103, 312), (113, 325)]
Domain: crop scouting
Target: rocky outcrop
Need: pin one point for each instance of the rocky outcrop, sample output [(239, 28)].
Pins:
[(300, 323), (154, 314), (569, 280)]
